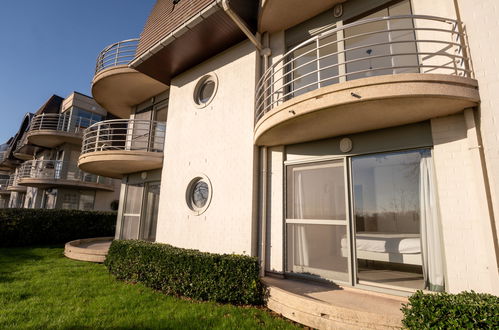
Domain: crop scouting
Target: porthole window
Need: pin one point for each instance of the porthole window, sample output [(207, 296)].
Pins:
[(198, 194), (205, 90)]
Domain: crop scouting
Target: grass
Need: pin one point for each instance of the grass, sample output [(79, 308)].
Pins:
[(40, 288)]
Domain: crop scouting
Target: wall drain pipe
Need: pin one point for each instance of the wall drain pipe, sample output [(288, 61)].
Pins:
[(241, 24), (265, 53)]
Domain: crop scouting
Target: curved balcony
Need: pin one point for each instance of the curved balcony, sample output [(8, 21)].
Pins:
[(24, 150), (115, 86), (114, 148), (4, 183), (13, 184), (56, 173), (52, 129), (370, 74)]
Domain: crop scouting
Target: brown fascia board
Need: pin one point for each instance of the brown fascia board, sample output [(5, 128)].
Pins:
[(53, 105), (200, 38)]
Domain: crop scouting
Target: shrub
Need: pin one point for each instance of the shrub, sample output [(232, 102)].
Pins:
[(466, 310), (227, 278), (25, 227)]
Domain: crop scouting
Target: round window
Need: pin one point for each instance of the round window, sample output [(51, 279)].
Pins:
[(198, 194), (205, 90)]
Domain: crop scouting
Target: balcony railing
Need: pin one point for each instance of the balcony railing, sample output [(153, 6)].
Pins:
[(124, 135), (63, 122), (120, 53), (51, 170), (2, 155), (13, 180), (370, 47)]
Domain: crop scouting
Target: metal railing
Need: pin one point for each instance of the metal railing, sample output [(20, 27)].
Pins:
[(124, 134), (120, 53), (63, 122), (58, 170), (13, 180), (370, 47), (2, 155)]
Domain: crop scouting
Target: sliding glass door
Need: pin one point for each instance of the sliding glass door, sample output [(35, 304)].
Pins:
[(389, 226)]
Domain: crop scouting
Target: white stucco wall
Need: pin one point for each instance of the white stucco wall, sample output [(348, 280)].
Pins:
[(482, 28), (466, 226), (216, 141)]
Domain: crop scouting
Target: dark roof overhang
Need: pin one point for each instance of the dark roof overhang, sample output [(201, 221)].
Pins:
[(199, 37)]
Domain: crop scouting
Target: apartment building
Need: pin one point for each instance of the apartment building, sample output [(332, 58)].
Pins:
[(345, 141), (39, 163)]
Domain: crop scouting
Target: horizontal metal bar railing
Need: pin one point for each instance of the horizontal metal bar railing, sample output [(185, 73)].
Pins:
[(120, 53), (58, 170), (63, 122), (13, 180), (124, 134), (2, 155), (406, 43)]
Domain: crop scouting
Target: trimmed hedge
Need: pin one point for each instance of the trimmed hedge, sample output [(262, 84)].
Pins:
[(227, 278), (25, 227), (466, 310)]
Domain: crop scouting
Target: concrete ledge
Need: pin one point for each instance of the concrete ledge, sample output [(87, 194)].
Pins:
[(324, 307), (116, 163), (88, 249)]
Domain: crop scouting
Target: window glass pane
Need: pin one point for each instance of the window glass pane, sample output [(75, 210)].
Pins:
[(320, 250), (133, 200), (328, 60), (316, 191), (70, 201)]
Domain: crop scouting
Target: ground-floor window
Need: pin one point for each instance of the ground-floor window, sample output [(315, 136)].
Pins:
[(78, 200), (140, 211), (370, 219)]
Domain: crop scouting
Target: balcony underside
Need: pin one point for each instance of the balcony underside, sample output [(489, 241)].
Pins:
[(44, 183), (296, 11), (16, 189), (119, 88), (116, 163), (5, 192), (26, 152), (52, 138), (363, 105)]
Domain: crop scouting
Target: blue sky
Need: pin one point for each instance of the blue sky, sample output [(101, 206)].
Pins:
[(50, 46)]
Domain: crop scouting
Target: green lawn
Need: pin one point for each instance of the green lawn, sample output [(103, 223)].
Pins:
[(40, 288)]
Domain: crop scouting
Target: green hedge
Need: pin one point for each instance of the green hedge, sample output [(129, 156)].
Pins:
[(188, 273), (25, 227), (466, 310)]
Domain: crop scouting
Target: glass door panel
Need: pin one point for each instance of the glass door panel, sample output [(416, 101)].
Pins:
[(131, 213), (141, 131), (149, 222), (386, 192), (316, 220)]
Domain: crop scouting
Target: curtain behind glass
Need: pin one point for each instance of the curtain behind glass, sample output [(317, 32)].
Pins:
[(431, 246)]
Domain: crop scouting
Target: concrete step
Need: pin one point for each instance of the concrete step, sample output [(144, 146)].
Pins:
[(88, 249), (327, 307)]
